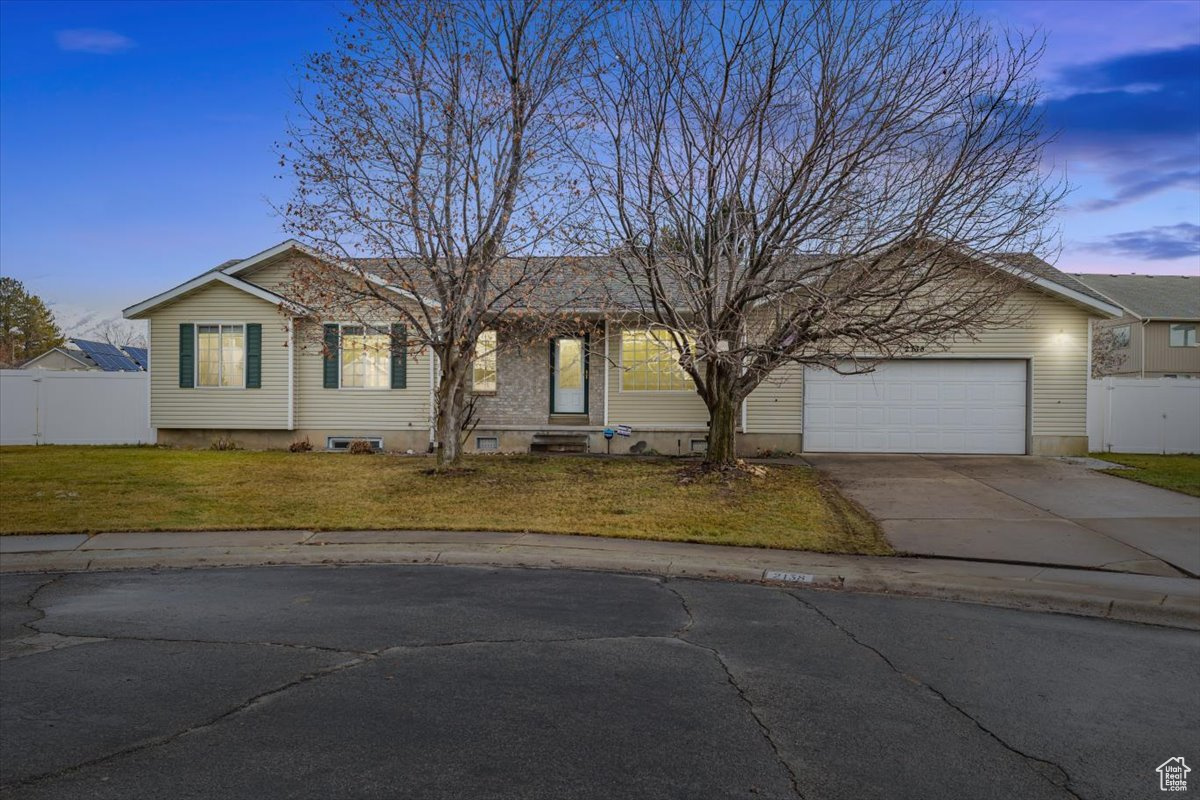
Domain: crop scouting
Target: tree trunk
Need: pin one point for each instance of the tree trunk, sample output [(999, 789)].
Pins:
[(451, 405), (722, 428)]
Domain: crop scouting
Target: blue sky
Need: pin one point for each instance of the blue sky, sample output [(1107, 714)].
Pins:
[(136, 139)]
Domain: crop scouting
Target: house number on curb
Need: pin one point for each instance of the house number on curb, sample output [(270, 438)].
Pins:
[(789, 577)]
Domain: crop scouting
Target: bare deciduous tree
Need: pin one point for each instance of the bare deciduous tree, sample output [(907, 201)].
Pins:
[(1108, 353), (429, 163), (120, 333), (814, 183)]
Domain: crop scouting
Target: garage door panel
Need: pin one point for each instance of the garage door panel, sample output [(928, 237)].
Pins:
[(929, 417), (953, 392), (927, 393), (918, 406), (845, 392), (871, 415)]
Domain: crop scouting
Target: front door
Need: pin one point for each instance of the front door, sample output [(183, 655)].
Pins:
[(568, 379)]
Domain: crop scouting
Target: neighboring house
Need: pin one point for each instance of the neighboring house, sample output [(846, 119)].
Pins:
[(1156, 336), (233, 357), (60, 359), (81, 354)]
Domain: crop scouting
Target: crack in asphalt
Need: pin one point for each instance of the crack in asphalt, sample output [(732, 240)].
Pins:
[(361, 658), (161, 741), (115, 637), (1064, 783), (33, 596), (763, 728)]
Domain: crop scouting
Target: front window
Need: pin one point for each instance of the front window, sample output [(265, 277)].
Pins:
[(484, 369), (221, 355), (366, 357), (1183, 336), (1120, 335), (650, 362)]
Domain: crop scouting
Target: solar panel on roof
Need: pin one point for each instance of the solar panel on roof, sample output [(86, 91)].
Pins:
[(106, 356), (140, 356)]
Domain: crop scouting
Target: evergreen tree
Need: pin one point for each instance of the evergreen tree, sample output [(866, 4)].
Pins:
[(27, 327)]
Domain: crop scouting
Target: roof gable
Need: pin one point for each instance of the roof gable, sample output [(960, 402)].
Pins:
[(77, 357), (139, 310)]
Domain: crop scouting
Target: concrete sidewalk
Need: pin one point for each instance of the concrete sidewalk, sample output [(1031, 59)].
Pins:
[(1173, 601)]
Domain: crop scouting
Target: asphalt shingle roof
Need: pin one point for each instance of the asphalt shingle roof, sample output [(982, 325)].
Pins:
[(1036, 266), (580, 281), (1149, 296)]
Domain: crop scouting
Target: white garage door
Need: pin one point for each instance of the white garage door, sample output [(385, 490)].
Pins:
[(917, 406)]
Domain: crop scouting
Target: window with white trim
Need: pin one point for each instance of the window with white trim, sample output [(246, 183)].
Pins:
[(483, 371), (1183, 336), (221, 355), (366, 357), (650, 363), (1120, 335)]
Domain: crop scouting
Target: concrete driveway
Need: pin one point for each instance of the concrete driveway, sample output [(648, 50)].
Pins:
[(1022, 509)]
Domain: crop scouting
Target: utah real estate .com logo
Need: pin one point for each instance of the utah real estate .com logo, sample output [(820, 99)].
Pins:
[(1172, 775)]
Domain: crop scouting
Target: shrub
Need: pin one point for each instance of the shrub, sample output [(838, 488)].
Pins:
[(361, 447), (224, 443), (300, 445)]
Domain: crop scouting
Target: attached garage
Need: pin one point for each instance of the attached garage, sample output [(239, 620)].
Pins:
[(919, 406)]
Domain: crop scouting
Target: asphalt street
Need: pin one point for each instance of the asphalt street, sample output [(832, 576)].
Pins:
[(461, 682)]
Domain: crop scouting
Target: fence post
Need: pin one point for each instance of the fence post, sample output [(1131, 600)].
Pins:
[(37, 411)]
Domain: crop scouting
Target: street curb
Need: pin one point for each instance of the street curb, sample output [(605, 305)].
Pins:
[(1171, 602)]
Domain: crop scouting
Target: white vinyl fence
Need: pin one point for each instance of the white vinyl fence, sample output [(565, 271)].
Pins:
[(39, 406), (1140, 415)]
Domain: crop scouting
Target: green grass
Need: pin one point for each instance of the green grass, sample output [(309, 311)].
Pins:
[(95, 489), (1180, 473)]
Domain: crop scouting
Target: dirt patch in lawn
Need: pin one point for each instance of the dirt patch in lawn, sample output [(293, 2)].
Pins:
[(96, 489)]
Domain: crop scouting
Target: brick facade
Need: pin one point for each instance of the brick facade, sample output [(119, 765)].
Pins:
[(522, 396)]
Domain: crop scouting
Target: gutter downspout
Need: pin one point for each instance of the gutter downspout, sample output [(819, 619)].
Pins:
[(150, 383), (606, 372), (432, 399), (1145, 322), (291, 400)]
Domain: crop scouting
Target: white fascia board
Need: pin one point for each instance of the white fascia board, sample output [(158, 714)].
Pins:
[(135, 311), (1053, 287), (291, 244), (266, 255), (1108, 309)]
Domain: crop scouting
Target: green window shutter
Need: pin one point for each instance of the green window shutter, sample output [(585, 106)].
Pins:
[(331, 356), (399, 356), (187, 356), (253, 355)]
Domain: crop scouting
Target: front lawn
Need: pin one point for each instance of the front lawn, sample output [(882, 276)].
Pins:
[(95, 489), (1180, 473)]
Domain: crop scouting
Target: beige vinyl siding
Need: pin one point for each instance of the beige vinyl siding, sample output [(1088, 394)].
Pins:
[(1055, 336), (361, 411), (777, 405), (357, 411), (682, 410), (275, 275), (1161, 357), (205, 407)]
